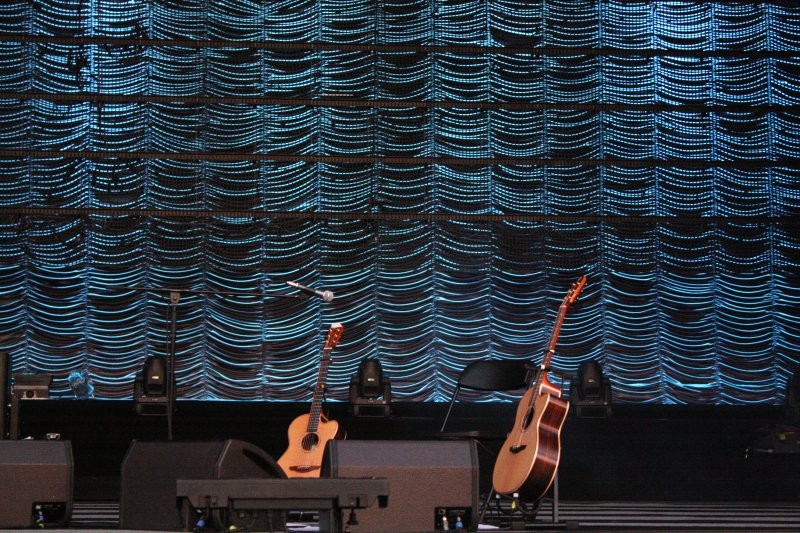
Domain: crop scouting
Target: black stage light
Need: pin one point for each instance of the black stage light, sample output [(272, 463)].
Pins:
[(150, 387), (370, 379), (590, 380), (154, 376), (590, 394), (370, 393)]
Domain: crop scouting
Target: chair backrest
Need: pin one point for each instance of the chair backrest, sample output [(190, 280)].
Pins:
[(489, 376), (494, 375)]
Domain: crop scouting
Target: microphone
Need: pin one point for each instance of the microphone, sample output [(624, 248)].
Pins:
[(325, 295)]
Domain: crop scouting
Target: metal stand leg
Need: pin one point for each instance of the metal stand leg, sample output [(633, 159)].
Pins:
[(174, 299), (13, 433), (555, 499)]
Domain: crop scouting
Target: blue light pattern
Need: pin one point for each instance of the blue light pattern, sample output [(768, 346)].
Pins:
[(446, 167)]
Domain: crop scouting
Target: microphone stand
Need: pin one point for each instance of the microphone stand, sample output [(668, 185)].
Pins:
[(174, 300)]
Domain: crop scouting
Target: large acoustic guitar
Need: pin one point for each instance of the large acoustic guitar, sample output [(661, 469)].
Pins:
[(528, 460), (309, 434)]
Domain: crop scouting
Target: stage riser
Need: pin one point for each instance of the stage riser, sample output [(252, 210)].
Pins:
[(641, 453)]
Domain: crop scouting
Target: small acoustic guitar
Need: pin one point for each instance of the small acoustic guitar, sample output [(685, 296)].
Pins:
[(528, 460), (309, 434)]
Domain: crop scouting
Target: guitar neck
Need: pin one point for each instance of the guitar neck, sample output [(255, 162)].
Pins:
[(334, 334), (571, 296), (319, 392), (551, 344)]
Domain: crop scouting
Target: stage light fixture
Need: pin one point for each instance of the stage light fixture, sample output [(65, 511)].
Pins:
[(590, 393), (32, 386), (150, 391), (370, 379), (154, 376), (370, 392)]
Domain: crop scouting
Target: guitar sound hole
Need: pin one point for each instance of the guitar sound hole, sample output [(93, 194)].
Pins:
[(526, 421), (310, 441)]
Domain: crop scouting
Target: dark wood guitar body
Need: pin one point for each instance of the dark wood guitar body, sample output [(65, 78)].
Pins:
[(528, 461)]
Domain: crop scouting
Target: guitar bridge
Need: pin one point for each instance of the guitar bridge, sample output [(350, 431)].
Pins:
[(304, 468), (518, 448)]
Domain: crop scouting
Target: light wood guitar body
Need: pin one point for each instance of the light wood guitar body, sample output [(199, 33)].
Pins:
[(309, 434), (303, 457)]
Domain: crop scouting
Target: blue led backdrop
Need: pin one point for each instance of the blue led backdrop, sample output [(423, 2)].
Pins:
[(447, 168)]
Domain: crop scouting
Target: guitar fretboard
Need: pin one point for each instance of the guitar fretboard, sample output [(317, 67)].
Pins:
[(319, 393)]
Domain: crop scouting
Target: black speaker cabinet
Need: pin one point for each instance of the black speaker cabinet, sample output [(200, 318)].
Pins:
[(36, 486), (428, 481), (150, 471)]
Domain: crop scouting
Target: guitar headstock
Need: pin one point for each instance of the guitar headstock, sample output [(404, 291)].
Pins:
[(334, 334), (575, 290)]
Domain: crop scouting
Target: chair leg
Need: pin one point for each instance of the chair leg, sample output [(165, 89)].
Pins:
[(450, 408)]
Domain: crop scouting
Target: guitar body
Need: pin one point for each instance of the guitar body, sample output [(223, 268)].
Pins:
[(528, 461), (309, 434), (303, 457)]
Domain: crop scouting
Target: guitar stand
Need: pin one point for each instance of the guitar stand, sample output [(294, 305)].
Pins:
[(554, 523), (555, 518)]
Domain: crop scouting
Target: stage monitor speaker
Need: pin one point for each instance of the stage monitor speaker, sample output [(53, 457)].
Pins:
[(150, 471), (36, 487), (428, 481)]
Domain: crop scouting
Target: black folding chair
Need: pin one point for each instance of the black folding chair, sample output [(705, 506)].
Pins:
[(489, 376)]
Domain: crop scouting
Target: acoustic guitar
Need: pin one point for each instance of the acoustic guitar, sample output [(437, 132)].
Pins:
[(310, 433), (528, 460)]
